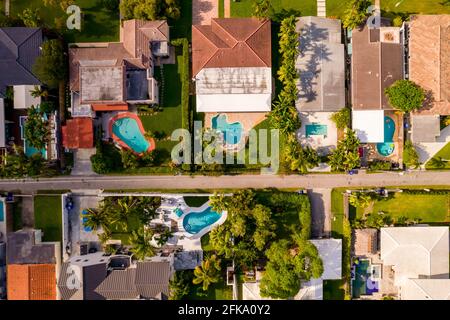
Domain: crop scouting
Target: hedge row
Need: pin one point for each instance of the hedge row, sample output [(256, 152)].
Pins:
[(421, 191)]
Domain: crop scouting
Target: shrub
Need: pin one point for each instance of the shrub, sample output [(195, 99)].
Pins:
[(405, 95), (342, 118), (410, 155), (355, 14), (380, 165), (398, 21), (51, 67)]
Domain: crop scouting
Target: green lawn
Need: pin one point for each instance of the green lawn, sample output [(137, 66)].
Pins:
[(195, 201), (432, 208), (123, 234), (48, 216), (169, 119), (181, 28), (335, 8), (221, 9), (444, 153), (98, 24)]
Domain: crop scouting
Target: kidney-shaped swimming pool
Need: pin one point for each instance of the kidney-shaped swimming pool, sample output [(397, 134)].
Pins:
[(194, 222)]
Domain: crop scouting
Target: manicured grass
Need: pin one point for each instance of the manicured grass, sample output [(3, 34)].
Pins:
[(98, 24), (428, 208), (333, 290), (123, 234), (181, 28), (415, 6), (48, 216), (169, 119), (195, 201), (221, 9), (444, 153)]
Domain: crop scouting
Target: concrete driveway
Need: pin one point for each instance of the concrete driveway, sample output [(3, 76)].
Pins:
[(204, 10), (320, 212)]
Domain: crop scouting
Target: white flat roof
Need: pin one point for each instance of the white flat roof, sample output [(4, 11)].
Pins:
[(368, 125), (234, 89), (416, 252), (234, 103), (330, 251), (23, 98)]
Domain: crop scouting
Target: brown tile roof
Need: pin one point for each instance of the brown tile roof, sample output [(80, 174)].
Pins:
[(232, 42), (375, 66), (78, 133), (429, 62), (31, 282)]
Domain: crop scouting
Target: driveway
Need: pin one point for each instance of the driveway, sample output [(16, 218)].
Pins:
[(204, 10), (82, 165), (320, 212)]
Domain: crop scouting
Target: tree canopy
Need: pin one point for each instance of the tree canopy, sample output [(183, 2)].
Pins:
[(346, 156), (405, 95), (36, 131), (262, 9), (355, 14), (51, 66), (342, 118), (410, 155), (150, 9)]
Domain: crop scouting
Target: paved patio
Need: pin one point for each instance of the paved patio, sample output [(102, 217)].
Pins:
[(322, 143)]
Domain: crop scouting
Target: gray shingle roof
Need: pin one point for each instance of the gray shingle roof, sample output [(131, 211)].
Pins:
[(21, 249), (149, 280), (19, 48)]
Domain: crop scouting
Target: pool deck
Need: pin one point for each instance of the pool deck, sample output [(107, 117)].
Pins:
[(323, 144), (248, 120)]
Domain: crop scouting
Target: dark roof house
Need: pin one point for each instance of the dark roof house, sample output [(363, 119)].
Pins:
[(377, 62), (148, 280), (19, 48)]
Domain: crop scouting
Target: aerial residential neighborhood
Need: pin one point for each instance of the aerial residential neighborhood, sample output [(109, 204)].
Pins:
[(232, 150)]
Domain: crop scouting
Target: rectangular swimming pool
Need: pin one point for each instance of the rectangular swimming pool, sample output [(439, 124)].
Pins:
[(316, 130)]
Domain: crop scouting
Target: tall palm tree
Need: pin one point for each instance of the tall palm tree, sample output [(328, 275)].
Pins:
[(207, 273), (39, 92), (96, 219), (141, 246)]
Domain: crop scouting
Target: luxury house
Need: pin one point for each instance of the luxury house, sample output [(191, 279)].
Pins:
[(377, 61), (32, 266), (429, 67), (321, 86), (109, 76)]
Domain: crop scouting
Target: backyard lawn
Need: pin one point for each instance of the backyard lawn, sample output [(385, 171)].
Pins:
[(48, 216), (433, 208), (444, 153), (335, 8), (98, 24)]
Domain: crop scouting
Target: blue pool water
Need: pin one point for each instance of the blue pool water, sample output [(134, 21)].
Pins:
[(232, 132), (29, 150), (127, 130), (386, 148), (316, 130), (2, 211), (178, 212), (194, 222), (84, 219)]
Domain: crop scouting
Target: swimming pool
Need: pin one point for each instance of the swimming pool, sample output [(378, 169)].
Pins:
[(2, 211), (387, 147), (316, 130), (232, 132), (194, 222), (362, 283), (130, 132), (84, 220)]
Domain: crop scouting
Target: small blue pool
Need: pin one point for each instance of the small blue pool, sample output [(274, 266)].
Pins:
[(232, 132), (194, 222), (29, 150), (178, 212), (84, 219), (2, 211), (129, 132), (387, 147), (316, 130)]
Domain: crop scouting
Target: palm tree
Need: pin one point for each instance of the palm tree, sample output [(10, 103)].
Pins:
[(96, 219), (141, 246), (218, 202), (207, 273), (163, 237), (437, 162), (39, 92), (122, 210)]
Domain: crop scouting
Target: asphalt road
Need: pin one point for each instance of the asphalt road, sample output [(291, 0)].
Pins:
[(311, 181)]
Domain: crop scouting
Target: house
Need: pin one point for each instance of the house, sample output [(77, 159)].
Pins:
[(419, 259), (32, 266), (376, 63), (330, 251), (78, 133), (19, 48), (81, 275), (145, 280), (109, 76), (429, 67), (2, 270), (231, 65), (321, 86)]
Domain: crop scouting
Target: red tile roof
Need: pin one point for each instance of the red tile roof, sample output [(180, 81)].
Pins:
[(110, 107), (231, 42), (31, 282), (78, 133)]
